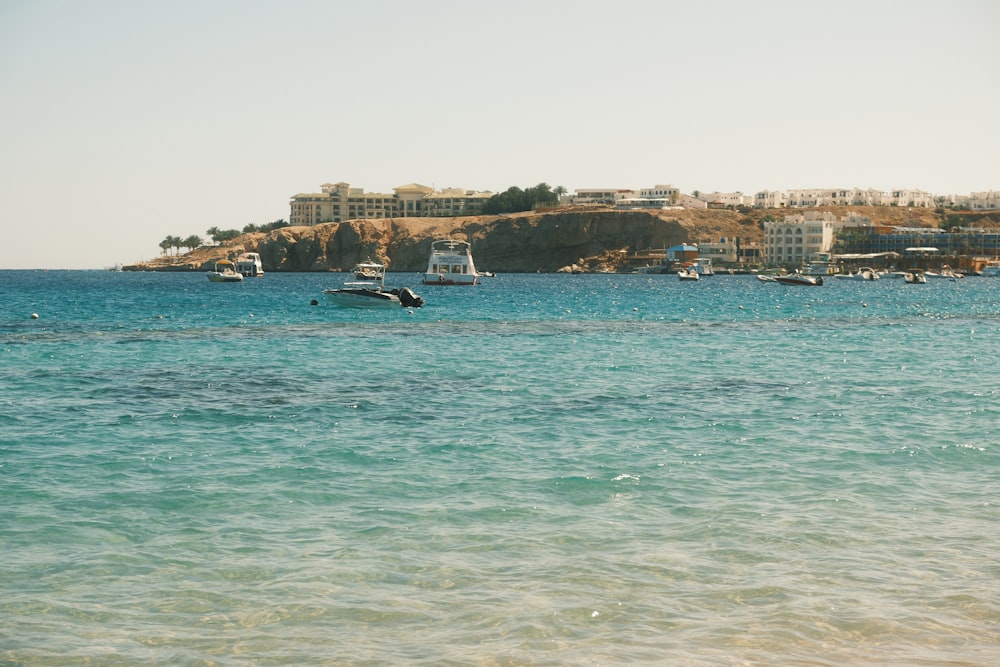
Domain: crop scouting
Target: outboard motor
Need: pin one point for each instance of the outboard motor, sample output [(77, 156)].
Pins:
[(408, 299)]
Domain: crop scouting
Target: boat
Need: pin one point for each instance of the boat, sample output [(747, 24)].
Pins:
[(863, 273), (822, 268), (450, 263), (249, 265), (950, 273), (372, 293), (688, 273), (799, 279), (367, 270), (915, 277), (225, 272), (703, 265)]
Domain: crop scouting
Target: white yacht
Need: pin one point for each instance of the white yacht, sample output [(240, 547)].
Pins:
[(450, 263), (249, 265)]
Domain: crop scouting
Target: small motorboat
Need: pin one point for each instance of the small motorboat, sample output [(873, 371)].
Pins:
[(688, 273), (225, 272), (950, 273), (915, 277), (864, 273), (799, 279), (372, 293)]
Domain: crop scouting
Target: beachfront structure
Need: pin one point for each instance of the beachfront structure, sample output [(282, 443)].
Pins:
[(337, 202), (800, 236), (730, 251), (960, 241)]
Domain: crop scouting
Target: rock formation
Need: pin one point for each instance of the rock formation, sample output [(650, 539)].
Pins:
[(589, 238)]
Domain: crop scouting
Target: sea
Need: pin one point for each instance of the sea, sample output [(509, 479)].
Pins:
[(538, 470)]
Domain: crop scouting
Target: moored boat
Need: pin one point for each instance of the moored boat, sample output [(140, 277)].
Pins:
[(225, 272), (703, 265), (372, 293), (915, 277), (450, 263), (863, 273), (799, 279), (950, 273), (249, 265), (688, 273)]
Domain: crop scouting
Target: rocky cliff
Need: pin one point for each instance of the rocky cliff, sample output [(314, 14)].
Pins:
[(593, 239)]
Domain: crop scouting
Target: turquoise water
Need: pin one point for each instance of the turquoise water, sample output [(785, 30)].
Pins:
[(539, 470)]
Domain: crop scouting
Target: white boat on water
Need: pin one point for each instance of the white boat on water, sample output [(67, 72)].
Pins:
[(372, 293), (688, 273), (799, 279), (915, 277), (824, 268), (703, 265), (225, 272), (863, 273), (450, 263), (950, 273), (249, 265)]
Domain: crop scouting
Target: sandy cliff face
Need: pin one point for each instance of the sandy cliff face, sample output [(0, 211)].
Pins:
[(542, 242), (525, 242)]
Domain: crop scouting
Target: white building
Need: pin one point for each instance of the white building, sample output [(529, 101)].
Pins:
[(608, 196), (723, 252), (842, 197), (980, 201), (798, 237), (658, 196), (725, 199), (769, 199)]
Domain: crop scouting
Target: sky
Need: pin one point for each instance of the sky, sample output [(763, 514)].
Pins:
[(124, 122)]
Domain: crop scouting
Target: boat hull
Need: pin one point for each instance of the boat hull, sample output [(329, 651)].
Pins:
[(362, 298), (224, 278), (450, 279), (807, 281)]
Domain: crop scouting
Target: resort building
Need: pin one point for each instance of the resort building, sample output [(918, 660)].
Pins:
[(607, 196), (961, 242), (838, 197), (730, 251), (979, 201), (799, 237), (337, 202)]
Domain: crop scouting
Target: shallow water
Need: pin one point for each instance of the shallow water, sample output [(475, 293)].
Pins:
[(542, 469)]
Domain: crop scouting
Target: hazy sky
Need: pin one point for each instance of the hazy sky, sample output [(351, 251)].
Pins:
[(123, 122)]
